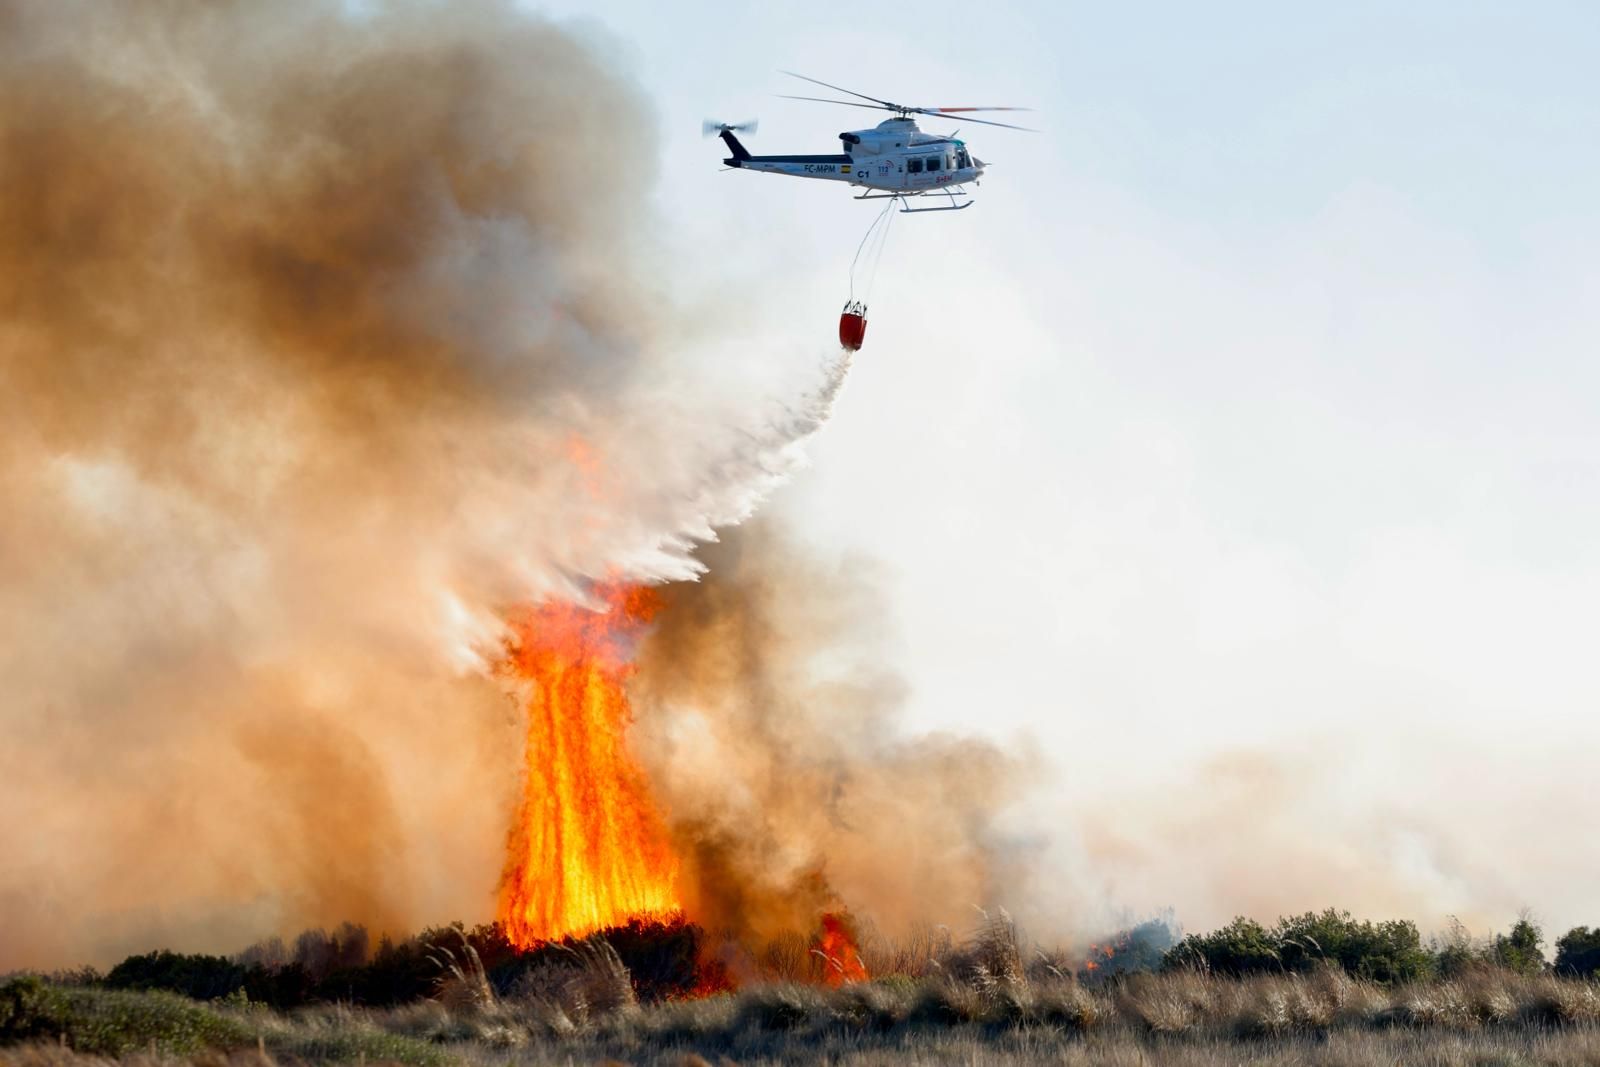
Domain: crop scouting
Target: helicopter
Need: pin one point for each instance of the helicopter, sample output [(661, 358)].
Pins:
[(892, 161)]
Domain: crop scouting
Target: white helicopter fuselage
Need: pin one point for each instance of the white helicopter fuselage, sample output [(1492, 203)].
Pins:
[(894, 157)]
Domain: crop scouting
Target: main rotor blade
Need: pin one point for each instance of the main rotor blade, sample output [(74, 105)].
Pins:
[(978, 109), (821, 100), (838, 89), (969, 118)]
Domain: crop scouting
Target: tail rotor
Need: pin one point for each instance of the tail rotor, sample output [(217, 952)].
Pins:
[(711, 127)]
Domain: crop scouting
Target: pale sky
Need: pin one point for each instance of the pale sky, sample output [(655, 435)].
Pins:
[(1252, 407)]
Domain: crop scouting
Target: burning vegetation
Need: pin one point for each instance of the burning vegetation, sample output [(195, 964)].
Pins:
[(588, 849), (687, 766)]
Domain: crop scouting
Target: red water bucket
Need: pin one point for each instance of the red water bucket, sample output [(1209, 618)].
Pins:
[(853, 325)]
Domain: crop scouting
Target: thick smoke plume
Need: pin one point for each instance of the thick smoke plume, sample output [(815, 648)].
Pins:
[(322, 339), (773, 734)]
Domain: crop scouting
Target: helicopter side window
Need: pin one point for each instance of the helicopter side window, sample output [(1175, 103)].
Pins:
[(962, 159), (934, 162), (913, 166)]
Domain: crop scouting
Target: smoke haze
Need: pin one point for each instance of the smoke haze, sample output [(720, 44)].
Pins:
[(322, 338)]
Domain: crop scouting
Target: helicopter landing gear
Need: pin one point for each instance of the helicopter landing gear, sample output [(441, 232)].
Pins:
[(952, 206), (951, 192)]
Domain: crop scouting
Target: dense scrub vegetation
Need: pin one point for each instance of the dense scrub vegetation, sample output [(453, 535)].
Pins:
[(340, 967), (1315, 988), (673, 961), (1387, 952), (990, 1013)]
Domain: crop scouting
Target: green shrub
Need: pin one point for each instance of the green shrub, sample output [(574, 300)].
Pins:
[(1242, 947), (1521, 950), (1384, 952), (1388, 951), (1457, 953), (1578, 951), (113, 1022), (24, 1010)]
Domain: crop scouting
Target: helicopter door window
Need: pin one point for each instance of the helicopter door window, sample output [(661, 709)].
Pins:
[(933, 162), (962, 159), (913, 166)]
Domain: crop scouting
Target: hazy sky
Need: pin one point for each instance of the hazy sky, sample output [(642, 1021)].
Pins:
[(1251, 410)]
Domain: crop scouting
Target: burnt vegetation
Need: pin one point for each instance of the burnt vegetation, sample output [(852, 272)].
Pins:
[(1320, 987)]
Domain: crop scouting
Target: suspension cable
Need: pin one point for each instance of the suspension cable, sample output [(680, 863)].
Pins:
[(880, 228)]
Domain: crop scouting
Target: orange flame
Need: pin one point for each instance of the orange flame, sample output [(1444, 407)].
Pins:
[(837, 947), (588, 849), (1100, 954)]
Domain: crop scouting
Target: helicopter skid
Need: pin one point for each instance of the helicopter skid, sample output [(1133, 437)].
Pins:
[(947, 207), (906, 210)]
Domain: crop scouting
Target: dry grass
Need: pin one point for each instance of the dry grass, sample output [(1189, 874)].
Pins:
[(916, 955), (979, 1005), (464, 985), (984, 1012), (589, 983), (1021, 1046)]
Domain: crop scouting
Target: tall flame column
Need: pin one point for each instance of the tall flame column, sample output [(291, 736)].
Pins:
[(588, 850)]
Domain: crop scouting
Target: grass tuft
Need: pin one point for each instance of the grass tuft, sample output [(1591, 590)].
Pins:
[(782, 1007)]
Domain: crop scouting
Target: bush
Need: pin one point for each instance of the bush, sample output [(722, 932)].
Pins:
[(662, 959), (1135, 949), (1520, 950), (1385, 952), (197, 977), (283, 987), (1578, 952), (113, 1022), (337, 968), (1457, 953), (1242, 947)]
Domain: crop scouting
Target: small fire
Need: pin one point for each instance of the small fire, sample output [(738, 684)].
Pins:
[(1099, 955), (836, 944), (588, 849)]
